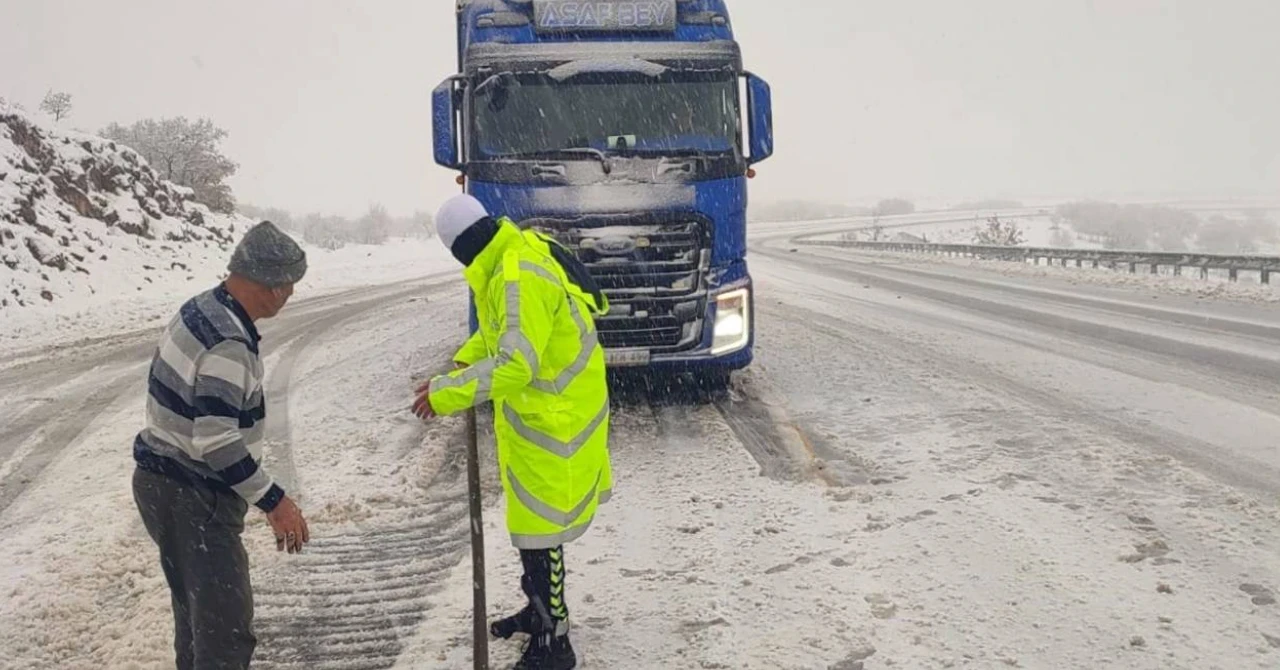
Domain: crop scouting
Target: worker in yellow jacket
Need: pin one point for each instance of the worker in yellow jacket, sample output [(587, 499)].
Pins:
[(537, 357)]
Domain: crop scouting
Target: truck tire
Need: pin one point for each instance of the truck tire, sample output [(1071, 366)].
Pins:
[(715, 383)]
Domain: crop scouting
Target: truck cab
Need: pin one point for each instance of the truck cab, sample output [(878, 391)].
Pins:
[(617, 127)]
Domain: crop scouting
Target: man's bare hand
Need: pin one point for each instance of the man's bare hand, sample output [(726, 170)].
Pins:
[(422, 406), (289, 526)]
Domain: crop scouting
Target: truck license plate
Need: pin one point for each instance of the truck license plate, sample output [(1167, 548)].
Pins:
[(626, 357)]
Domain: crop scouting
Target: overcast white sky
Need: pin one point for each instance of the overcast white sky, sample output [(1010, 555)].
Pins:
[(328, 103)]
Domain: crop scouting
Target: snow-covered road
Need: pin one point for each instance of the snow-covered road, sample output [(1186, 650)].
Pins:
[(930, 465)]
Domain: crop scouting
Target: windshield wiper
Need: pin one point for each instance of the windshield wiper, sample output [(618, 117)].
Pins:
[(604, 158), (556, 153), (678, 152)]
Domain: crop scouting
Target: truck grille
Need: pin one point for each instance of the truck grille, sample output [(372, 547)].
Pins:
[(653, 272)]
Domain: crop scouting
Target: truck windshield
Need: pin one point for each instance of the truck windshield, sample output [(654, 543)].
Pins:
[(531, 116)]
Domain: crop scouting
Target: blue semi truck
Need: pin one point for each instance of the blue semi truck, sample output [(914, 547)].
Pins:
[(617, 128)]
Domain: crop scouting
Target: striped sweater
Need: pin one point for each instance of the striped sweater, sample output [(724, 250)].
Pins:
[(205, 408)]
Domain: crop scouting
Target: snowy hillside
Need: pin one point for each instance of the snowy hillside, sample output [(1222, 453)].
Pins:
[(93, 242), (81, 216)]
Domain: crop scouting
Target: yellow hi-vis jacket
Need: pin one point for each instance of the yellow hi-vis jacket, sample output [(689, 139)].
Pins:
[(537, 356)]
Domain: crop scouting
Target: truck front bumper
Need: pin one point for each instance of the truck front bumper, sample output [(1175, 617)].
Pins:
[(727, 342)]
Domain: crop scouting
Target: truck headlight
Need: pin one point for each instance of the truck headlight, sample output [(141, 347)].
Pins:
[(733, 321)]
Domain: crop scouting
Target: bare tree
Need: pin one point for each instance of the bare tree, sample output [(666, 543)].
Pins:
[(328, 232), (421, 224), (998, 234), (57, 105), (374, 226), (185, 153)]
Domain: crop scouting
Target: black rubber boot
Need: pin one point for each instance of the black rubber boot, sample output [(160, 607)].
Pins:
[(548, 651), (548, 646), (543, 580), (525, 621)]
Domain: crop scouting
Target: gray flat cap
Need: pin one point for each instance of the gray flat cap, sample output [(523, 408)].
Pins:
[(269, 257)]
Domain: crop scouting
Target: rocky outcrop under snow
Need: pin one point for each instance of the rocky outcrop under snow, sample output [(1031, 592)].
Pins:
[(81, 216)]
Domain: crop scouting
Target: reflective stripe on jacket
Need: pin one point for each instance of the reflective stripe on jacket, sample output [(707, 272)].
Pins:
[(537, 357)]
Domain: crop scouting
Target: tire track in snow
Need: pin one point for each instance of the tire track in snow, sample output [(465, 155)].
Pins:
[(784, 448), (761, 425), (352, 601), (771, 439), (354, 598)]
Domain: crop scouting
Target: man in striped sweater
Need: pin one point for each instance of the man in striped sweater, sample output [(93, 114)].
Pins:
[(199, 456)]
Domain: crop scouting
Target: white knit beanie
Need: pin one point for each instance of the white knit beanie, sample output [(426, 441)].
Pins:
[(456, 215)]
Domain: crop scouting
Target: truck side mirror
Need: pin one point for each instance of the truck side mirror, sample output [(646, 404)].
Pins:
[(444, 122), (760, 118)]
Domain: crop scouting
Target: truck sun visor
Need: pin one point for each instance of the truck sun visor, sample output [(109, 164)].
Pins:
[(584, 16), (628, 65)]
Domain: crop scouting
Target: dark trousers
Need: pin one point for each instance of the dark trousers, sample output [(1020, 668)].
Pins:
[(544, 576), (198, 532)]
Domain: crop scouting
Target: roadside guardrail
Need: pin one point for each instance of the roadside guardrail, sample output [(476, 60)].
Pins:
[(1153, 260)]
